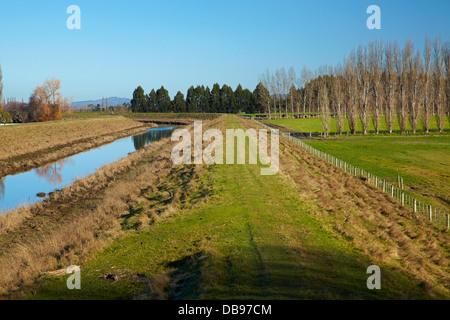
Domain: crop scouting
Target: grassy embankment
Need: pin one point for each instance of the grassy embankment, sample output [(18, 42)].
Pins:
[(86, 215), (308, 233), (422, 160), (34, 144)]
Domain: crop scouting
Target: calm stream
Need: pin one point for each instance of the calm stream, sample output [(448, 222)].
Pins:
[(23, 188)]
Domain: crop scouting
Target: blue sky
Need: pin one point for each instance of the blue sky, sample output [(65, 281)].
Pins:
[(178, 43)]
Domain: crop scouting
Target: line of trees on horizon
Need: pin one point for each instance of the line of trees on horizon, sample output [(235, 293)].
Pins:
[(202, 99)]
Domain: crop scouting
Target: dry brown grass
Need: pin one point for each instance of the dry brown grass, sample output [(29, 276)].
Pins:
[(81, 218), (27, 146)]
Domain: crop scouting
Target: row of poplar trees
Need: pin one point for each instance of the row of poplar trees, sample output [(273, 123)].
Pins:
[(376, 82)]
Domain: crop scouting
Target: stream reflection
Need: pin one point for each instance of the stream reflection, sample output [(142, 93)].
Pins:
[(151, 135)]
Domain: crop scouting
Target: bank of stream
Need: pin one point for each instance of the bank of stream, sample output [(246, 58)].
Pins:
[(29, 187)]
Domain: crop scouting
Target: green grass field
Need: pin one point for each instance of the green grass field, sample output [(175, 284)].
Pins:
[(422, 161), (254, 239), (315, 125)]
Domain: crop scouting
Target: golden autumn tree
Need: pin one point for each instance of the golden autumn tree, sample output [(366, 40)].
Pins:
[(47, 101)]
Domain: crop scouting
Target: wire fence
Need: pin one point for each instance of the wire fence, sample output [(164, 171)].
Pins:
[(416, 206)]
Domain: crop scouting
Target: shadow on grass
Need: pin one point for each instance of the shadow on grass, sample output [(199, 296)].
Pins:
[(313, 275)]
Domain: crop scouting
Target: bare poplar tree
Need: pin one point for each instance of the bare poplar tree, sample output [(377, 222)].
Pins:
[(292, 90), (306, 78), (439, 83), (351, 83), (391, 55), (427, 86), (293, 99), (338, 96), (404, 72), (324, 107), (284, 90), (267, 82), (446, 57), (416, 91), (273, 84), (376, 71), (364, 86), (278, 89)]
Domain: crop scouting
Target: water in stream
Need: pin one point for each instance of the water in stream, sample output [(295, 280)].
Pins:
[(22, 188)]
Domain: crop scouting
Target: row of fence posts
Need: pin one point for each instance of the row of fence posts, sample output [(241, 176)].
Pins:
[(405, 199)]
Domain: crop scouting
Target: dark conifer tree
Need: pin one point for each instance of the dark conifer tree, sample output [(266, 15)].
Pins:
[(138, 103), (178, 103), (163, 100)]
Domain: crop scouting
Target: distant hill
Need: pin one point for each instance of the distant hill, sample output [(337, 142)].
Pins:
[(112, 102)]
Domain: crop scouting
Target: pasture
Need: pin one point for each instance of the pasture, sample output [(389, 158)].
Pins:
[(422, 161), (315, 125)]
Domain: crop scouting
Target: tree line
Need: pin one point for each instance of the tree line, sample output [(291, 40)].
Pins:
[(376, 82), (202, 99), (45, 104)]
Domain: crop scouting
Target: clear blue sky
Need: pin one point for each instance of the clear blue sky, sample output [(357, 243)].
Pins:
[(178, 43)]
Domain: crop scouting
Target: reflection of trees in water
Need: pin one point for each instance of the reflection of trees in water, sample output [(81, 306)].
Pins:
[(52, 173), (2, 189), (145, 139)]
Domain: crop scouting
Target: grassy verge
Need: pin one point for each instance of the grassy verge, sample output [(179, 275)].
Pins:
[(262, 237)]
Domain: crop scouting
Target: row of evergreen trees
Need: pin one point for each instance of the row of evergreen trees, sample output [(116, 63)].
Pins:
[(202, 99)]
